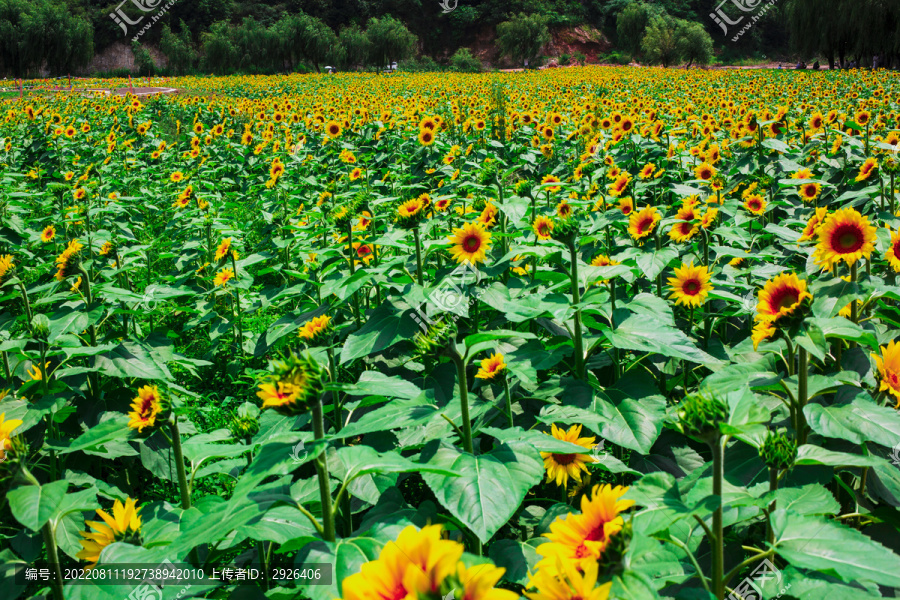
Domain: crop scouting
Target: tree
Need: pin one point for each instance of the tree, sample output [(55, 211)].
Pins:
[(695, 45), (40, 33), (142, 59), (661, 41), (355, 47), (219, 51), (317, 41), (389, 40), (177, 48), (630, 26), (463, 61), (523, 36)]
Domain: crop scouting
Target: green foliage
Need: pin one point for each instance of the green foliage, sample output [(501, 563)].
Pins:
[(630, 26), (219, 52), (522, 37), (463, 61), (178, 49), (389, 41), (668, 40), (695, 43), (355, 47), (142, 59), (42, 33), (423, 64)]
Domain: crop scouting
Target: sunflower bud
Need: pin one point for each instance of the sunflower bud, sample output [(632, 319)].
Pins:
[(40, 327), (488, 174), (436, 339), (293, 383), (778, 451), (699, 416), (565, 230), (523, 188), (245, 423)]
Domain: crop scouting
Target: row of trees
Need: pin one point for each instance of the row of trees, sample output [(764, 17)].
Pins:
[(648, 31), (848, 30), (36, 34)]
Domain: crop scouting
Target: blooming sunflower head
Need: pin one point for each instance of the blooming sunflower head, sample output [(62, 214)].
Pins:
[(69, 261), (888, 365), (470, 243), (316, 329), (6, 429), (294, 382), (7, 266), (560, 467), (148, 410), (491, 367), (124, 525), (48, 234), (641, 224), (411, 212), (543, 227), (691, 285), (845, 236), (781, 297)]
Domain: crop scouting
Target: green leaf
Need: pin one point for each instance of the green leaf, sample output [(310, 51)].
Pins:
[(347, 556), (653, 263), (823, 545), (857, 422), (355, 461), (33, 505), (385, 327), (375, 383), (94, 439), (491, 486), (642, 334), (518, 558)]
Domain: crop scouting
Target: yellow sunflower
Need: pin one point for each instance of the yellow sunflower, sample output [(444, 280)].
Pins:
[(845, 236), (123, 525), (223, 277), (543, 227), (491, 367), (812, 226), (560, 467), (780, 297), (6, 429), (314, 327), (145, 408), (580, 539), (893, 253), (568, 583), (469, 243), (641, 224), (48, 233), (888, 365), (224, 247), (867, 168), (691, 285)]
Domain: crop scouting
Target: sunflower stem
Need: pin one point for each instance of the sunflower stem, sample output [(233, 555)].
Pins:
[(576, 300), (237, 308), (318, 420), (27, 304), (773, 486), (854, 314), (53, 558), (353, 271), (802, 395), (718, 542), (509, 413), (463, 400), (179, 463), (419, 278)]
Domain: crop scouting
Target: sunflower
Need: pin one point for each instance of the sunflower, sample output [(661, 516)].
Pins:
[(647, 171), (314, 328), (79, 193), (551, 179), (568, 583), (762, 331), (892, 255), (867, 168), (68, 260), (705, 172), (176, 177), (442, 204), (6, 429), (709, 217), (543, 227), (223, 277), (410, 209), (602, 260), (562, 466), (470, 243), (563, 209), (123, 525), (488, 216), (810, 191), (145, 408), (580, 539), (413, 566), (333, 129), (780, 297), (683, 231), (812, 226), (641, 224), (363, 252), (355, 174), (291, 384), (691, 285), (224, 247), (426, 137), (626, 205), (756, 204), (617, 188), (48, 233), (888, 365), (491, 367), (845, 236), (478, 583)]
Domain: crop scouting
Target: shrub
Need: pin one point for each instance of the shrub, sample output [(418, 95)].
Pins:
[(463, 61)]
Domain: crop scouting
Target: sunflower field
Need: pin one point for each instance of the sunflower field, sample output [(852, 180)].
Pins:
[(587, 334)]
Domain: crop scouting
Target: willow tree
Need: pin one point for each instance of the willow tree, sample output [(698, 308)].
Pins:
[(40, 34)]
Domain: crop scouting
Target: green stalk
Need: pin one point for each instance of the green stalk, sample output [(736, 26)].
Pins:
[(237, 308), (659, 279), (27, 303), (509, 413), (773, 486), (802, 396), (352, 272), (318, 420), (463, 400), (718, 541), (179, 463), (576, 299), (419, 278), (56, 583)]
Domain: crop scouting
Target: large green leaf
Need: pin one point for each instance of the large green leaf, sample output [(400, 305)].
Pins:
[(384, 328), (860, 421), (97, 437), (491, 486), (824, 545), (33, 505), (643, 334)]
